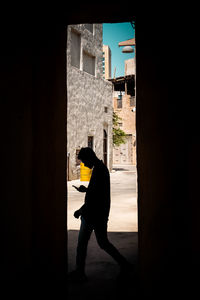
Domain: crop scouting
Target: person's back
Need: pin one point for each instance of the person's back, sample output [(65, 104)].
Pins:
[(97, 199)]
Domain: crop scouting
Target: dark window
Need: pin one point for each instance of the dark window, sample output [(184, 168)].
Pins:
[(132, 101), (75, 49), (119, 100), (90, 142), (119, 103), (88, 63), (77, 160), (89, 27)]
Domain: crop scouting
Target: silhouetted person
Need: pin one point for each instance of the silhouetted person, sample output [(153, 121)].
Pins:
[(94, 214)]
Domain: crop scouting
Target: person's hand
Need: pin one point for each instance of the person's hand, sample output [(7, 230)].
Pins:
[(81, 188), (77, 214)]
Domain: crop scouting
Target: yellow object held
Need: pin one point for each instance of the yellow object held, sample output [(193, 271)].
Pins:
[(85, 173)]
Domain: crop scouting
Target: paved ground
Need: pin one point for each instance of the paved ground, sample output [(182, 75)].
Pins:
[(101, 270)]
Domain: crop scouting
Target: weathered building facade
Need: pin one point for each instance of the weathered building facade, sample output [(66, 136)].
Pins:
[(124, 104), (89, 111)]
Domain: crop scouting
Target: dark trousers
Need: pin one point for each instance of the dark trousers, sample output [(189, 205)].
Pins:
[(102, 240)]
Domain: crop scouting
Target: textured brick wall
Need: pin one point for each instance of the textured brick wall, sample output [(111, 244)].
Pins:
[(128, 121)]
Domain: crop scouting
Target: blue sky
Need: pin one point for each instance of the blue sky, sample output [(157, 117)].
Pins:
[(113, 33)]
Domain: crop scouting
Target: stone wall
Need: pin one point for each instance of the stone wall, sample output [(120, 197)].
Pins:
[(128, 123), (88, 98)]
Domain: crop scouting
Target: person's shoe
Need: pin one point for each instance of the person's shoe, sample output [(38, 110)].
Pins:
[(77, 276)]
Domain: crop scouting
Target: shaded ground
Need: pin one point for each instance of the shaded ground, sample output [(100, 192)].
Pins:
[(101, 269)]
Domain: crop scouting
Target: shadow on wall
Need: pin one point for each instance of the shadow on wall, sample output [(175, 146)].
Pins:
[(102, 270)]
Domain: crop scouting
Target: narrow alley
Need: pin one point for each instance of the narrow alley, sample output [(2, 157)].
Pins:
[(101, 270)]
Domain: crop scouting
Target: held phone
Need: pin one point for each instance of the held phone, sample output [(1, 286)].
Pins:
[(81, 188)]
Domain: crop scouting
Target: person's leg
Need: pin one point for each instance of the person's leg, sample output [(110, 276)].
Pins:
[(83, 238), (103, 242)]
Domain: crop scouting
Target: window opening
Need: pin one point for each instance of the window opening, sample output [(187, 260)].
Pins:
[(75, 49), (88, 63), (89, 27), (90, 142)]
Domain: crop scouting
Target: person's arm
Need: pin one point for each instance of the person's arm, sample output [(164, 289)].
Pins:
[(81, 188), (79, 212)]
